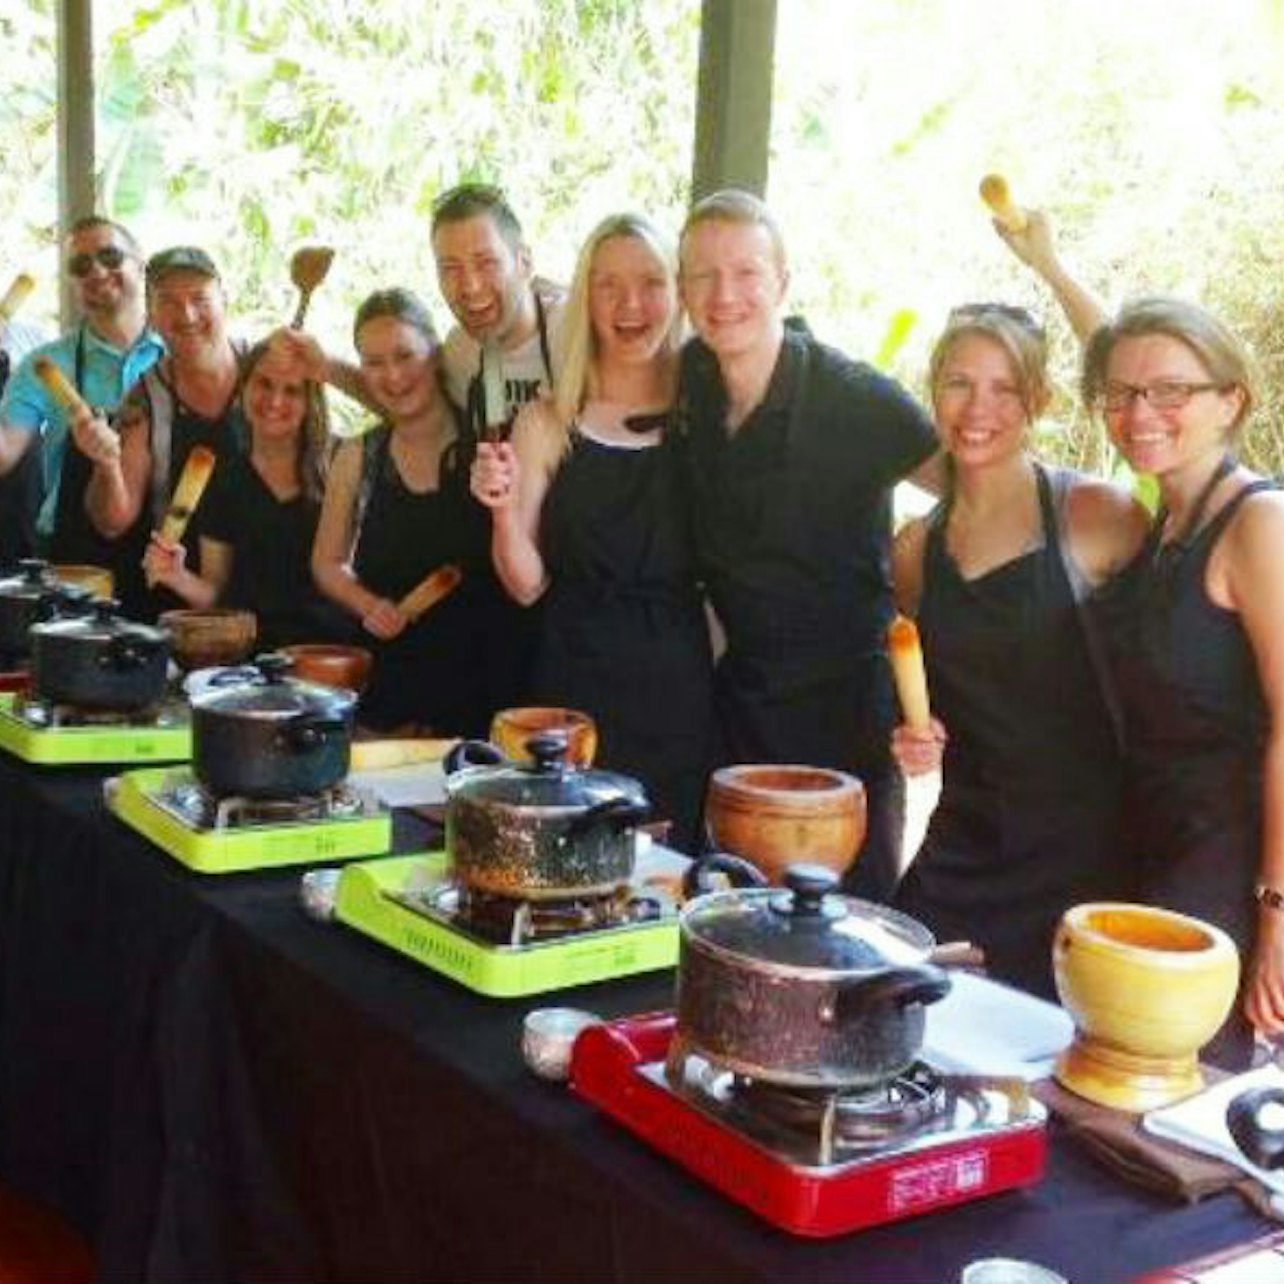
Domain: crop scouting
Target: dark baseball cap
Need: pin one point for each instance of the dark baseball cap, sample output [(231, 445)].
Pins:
[(179, 258)]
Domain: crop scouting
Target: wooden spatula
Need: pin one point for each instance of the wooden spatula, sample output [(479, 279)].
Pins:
[(308, 268)]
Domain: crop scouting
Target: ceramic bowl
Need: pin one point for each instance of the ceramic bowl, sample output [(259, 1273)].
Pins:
[(777, 815), (510, 729), (330, 664), (210, 638), (548, 1035), (1147, 988)]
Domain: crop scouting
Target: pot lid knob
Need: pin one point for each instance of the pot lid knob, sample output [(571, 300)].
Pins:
[(105, 608), (810, 884), (33, 569), (273, 665), (548, 750)]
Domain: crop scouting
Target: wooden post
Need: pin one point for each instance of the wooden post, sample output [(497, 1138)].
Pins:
[(733, 96), (75, 121)]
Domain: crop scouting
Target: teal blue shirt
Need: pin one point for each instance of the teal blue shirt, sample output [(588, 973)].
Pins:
[(104, 374)]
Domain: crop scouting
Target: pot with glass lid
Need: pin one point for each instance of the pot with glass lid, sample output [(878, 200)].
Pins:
[(257, 733), (100, 660), (803, 987), (543, 830)]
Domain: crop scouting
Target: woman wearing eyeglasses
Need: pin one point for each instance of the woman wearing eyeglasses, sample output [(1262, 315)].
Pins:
[(1196, 632), (1028, 819)]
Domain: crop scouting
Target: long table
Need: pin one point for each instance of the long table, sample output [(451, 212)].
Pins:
[(212, 1086)]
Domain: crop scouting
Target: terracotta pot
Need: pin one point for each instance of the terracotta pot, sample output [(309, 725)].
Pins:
[(510, 729), (213, 638), (330, 664), (1147, 988), (777, 815)]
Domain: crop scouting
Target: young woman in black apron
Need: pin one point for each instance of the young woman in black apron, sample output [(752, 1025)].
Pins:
[(1196, 636), (589, 518), (1028, 821), (259, 514), (397, 508)]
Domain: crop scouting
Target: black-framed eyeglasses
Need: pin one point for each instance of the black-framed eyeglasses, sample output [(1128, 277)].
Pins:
[(106, 256), (1008, 311), (1163, 394)]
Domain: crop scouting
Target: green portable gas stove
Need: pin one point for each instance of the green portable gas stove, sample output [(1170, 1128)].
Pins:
[(411, 904), (227, 835), (52, 735)]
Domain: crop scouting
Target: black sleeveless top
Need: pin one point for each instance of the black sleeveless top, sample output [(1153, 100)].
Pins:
[(1027, 823), (1196, 725), (1195, 717), (623, 634), (426, 675)]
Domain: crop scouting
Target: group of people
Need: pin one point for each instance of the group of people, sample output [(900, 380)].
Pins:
[(690, 539)]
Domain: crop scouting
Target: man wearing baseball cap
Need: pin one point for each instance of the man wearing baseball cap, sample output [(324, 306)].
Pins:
[(188, 399)]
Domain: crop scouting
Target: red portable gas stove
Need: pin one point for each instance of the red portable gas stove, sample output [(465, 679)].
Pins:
[(814, 1163)]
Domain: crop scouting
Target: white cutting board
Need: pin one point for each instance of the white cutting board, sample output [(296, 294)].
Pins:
[(982, 1027)]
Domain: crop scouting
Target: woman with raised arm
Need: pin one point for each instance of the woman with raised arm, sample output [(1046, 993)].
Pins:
[(259, 517), (1196, 636), (1028, 820), (588, 518)]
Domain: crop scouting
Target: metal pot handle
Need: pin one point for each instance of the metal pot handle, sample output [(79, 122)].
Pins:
[(896, 986), (615, 815), (472, 753), (303, 735), (699, 875), (1263, 1145)]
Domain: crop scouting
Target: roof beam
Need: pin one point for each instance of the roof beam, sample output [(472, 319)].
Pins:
[(733, 96), (75, 120)]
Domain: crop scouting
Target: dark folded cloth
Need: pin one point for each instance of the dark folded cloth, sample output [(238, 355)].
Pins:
[(1117, 1140)]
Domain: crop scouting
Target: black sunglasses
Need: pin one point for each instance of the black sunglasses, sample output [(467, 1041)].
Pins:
[(109, 257)]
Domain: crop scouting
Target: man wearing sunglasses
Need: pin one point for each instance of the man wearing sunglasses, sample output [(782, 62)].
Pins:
[(104, 354)]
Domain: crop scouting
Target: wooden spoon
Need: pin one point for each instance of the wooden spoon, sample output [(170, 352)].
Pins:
[(308, 268)]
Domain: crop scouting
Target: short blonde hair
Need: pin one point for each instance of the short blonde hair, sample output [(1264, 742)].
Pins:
[(1218, 350), (735, 205), (578, 380), (1016, 331)]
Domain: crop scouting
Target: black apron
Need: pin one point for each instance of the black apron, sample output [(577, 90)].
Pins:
[(74, 538), (430, 675), (788, 690), (623, 634), (1028, 821), (20, 491), (1196, 725)]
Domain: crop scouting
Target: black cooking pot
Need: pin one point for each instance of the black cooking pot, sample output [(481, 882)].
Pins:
[(99, 660), (804, 987), (539, 831), (30, 597), (257, 733)]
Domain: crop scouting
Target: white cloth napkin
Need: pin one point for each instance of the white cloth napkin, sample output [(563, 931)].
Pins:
[(1200, 1122)]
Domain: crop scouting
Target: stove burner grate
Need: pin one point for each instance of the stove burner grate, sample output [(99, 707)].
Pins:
[(198, 808), (511, 921), (46, 715), (824, 1127)]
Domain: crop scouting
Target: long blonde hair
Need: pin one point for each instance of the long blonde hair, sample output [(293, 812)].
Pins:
[(578, 380)]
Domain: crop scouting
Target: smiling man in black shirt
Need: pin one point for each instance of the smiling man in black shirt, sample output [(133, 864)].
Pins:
[(793, 451)]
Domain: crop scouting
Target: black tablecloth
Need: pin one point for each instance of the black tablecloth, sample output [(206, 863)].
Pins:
[(213, 1087)]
